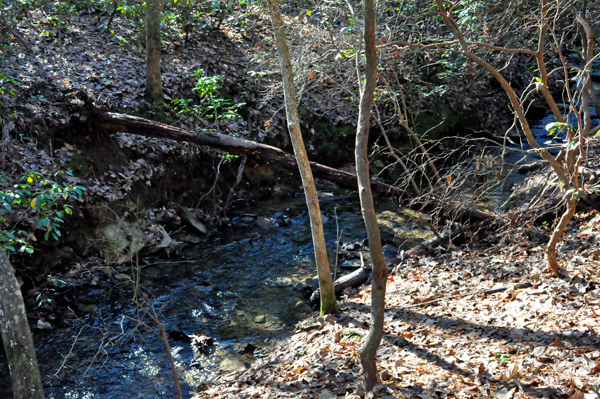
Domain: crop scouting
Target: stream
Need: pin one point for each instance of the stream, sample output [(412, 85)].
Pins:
[(237, 288)]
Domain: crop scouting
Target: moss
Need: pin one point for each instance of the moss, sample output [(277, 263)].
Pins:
[(80, 164), (261, 175), (350, 335)]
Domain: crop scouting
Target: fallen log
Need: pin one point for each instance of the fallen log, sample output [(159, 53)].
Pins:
[(456, 236), (114, 122), (354, 279)]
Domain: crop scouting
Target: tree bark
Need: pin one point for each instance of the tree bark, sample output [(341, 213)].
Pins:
[(328, 301), (368, 352), (154, 90), (16, 336)]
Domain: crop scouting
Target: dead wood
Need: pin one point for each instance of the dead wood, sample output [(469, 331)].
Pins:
[(456, 235), (113, 122), (477, 292), (351, 280)]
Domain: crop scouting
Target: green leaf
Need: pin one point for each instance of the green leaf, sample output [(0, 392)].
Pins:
[(10, 248), (47, 235), (44, 222)]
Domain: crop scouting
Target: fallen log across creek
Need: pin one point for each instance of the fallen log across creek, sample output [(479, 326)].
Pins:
[(114, 122)]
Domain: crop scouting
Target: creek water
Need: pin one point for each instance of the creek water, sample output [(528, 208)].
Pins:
[(236, 288)]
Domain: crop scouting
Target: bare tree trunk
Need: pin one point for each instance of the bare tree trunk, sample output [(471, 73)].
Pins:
[(557, 234), (369, 350), (16, 336), (154, 90), (328, 301)]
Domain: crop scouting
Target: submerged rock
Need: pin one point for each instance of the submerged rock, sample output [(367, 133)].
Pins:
[(302, 236)]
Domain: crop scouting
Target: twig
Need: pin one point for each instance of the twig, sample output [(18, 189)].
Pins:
[(433, 229), (238, 179), (476, 292), (337, 248), (214, 184), (393, 151)]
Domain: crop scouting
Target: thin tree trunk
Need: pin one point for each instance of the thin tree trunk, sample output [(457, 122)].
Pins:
[(588, 53), (542, 64), (16, 336), (328, 301), (557, 234), (165, 340), (154, 90), (369, 350)]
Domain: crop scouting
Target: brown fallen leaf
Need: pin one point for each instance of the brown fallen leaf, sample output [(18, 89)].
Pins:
[(577, 395), (481, 369)]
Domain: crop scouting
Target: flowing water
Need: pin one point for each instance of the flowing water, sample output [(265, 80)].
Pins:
[(236, 288)]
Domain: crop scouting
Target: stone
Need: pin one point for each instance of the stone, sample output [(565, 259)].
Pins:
[(266, 223), (204, 288), (311, 283), (260, 319), (389, 251), (121, 242)]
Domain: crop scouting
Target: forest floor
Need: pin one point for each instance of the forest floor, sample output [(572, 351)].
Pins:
[(540, 341)]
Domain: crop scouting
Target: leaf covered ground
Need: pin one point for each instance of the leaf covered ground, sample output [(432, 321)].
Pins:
[(540, 341)]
